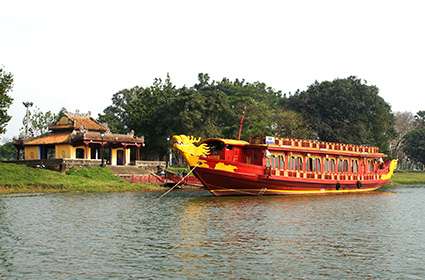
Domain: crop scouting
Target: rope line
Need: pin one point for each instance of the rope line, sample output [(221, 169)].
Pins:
[(182, 179)]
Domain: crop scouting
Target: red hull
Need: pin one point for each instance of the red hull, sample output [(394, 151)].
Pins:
[(220, 183)]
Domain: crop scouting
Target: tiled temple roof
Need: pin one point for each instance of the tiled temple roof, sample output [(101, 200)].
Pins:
[(46, 139), (76, 121), (77, 136)]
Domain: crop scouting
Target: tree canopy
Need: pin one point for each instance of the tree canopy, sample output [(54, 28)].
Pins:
[(7, 151), (6, 83), (346, 110), (343, 110), (207, 109), (36, 122), (414, 140)]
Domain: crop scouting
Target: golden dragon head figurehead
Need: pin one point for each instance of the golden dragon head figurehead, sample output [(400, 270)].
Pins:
[(190, 149), (391, 169)]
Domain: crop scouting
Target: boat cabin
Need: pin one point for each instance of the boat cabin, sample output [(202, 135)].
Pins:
[(300, 158)]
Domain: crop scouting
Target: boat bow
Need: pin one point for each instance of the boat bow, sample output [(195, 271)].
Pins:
[(190, 148)]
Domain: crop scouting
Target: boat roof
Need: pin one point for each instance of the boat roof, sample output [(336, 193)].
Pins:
[(307, 146), (233, 142)]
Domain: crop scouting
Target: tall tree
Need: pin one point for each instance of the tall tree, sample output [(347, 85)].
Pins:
[(207, 109), (404, 122), (35, 121), (6, 83), (415, 145), (414, 140), (346, 110), (420, 119), (7, 151)]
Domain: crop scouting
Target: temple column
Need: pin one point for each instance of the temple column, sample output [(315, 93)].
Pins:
[(86, 151), (137, 153)]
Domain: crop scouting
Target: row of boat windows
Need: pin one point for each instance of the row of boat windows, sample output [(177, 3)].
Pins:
[(314, 164)]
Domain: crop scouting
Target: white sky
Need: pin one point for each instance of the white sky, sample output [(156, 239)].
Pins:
[(76, 54)]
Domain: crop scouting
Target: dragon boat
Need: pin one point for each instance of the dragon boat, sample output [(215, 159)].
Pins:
[(283, 166)]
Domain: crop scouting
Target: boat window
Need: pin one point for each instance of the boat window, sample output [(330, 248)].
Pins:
[(281, 162), (370, 164), (309, 164), (268, 162), (340, 166), (332, 165), (343, 165), (273, 160), (354, 166), (295, 163), (299, 163), (318, 168), (313, 164), (291, 163), (215, 147)]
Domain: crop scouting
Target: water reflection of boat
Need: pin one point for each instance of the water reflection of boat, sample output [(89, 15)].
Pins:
[(284, 166)]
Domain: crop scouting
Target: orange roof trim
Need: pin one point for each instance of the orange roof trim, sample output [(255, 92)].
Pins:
[(48, 139)]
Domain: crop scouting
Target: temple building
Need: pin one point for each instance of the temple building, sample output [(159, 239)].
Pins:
[(79, 136)]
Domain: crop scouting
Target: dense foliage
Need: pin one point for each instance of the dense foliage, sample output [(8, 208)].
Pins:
[(346, 110), (414, 141), (7, 151), (343, 110), (6, 83), (207, 109)]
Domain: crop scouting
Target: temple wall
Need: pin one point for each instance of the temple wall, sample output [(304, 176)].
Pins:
[(64, 151), (113, 156), (32, 152), (127, 156)]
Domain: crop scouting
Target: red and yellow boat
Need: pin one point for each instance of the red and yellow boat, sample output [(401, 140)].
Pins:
[(284, 166)]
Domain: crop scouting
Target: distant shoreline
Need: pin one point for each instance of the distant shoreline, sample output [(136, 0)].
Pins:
[(409, 178)]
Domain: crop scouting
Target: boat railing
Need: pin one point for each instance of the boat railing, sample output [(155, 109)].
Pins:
[(315, 144)]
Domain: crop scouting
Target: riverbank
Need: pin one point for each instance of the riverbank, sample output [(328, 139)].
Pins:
[(21, 179), (408, 178)]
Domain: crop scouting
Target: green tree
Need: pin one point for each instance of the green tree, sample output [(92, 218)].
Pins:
[(414, 139), (35, 121), (415, 145), (291, 124), (420, 119), (6, 83), (7, 151), (404, 122), (207, 109), (346, 110)]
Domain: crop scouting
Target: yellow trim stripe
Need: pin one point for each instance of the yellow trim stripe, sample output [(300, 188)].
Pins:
[(266, 191)]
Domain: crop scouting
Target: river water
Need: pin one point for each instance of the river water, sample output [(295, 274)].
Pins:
[(192, 235)]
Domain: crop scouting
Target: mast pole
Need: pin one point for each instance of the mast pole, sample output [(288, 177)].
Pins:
[(241, 123)]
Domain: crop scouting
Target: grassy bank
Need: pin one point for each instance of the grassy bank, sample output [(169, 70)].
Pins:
[(409, 178), (19, 179)]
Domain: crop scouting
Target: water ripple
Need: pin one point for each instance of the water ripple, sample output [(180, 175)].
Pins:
[(380, 235)]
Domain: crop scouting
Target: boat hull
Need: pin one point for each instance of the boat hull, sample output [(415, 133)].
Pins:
[(221, 183)]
